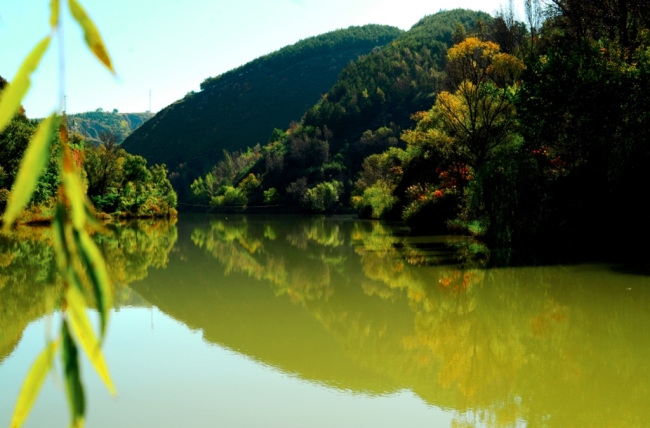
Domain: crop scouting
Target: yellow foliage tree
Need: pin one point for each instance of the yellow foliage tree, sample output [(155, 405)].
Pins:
[(467, 125)]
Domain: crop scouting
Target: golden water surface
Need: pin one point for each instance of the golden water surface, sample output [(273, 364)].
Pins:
[(309, 321)]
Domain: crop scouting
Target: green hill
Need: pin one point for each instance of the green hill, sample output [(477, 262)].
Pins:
[(240, 108), (363, 113), (389, 85), (92, 124)]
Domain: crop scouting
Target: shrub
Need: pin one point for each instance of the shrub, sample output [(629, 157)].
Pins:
[(249, 184), (231, 197), (107, 203), (271, 196), (378, 199), (323, 196)]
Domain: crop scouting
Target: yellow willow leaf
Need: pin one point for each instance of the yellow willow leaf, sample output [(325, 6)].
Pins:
[(33, 384), (55, 7), (15, 91), (91, 34), (73, 189), (33, 163), (72, 372), (96, 268), (84, 333)]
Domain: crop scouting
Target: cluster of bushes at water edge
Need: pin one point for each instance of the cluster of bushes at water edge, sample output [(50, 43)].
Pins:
[(117, 182)]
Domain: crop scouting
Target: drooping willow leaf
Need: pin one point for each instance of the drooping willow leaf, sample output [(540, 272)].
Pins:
[(33, 384), (31, 167), (55, 8), (84, 334), (73, 189), (98, 275), (72, 372), (91, 34), (13, 94)]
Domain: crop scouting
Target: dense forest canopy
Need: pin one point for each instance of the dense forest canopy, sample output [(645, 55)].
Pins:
[(517, 132), (315, 162), (240, 108)]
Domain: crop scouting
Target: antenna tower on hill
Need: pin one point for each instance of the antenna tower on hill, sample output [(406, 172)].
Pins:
[(149, 111)]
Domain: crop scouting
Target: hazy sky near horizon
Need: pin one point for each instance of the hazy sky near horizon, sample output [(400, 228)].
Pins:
[(171, 46)]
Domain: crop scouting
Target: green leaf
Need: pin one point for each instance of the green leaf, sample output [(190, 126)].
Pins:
[(14, 93), (31, 166), (33, 384), (55, 7), (60, 241), (73, 190), (96, 268), (84, 333), (72, 372), (91, 34)]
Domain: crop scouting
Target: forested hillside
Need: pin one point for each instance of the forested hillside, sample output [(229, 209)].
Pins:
[(92, 124), (392, 83), (315, 162), (240, 108), (519, 133)]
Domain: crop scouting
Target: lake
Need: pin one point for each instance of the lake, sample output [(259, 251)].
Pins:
[(269, 321)]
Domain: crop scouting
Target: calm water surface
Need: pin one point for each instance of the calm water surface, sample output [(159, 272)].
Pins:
[(332, 322)]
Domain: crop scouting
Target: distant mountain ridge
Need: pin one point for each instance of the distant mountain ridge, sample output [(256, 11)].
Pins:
[(92, 124), (240, 108)]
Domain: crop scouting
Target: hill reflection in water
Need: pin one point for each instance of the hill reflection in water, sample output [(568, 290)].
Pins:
[(354, 306), (360, 308)]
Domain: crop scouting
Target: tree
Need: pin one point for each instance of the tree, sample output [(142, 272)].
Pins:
[(103, 165), (479, 116), (620, 20), (461, 138), (136, 173)]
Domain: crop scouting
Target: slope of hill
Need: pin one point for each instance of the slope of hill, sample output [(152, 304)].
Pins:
[(391, 84), (242, 107), (92, 124), (362, 114)]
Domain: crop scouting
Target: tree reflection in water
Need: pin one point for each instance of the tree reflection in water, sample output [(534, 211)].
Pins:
[(355, 306), (545, 345), (31, 288)]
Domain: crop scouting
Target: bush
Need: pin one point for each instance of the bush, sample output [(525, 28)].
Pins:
[(377, 200), (323, 196), (231, 197), (107, 203), (271, 196)]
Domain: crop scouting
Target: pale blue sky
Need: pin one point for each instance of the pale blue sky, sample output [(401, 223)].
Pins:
[(171, 46)]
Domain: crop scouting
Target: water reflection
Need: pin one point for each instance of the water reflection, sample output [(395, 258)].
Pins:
[(27, 285), (30, 286), (551, 346), (359, 307)]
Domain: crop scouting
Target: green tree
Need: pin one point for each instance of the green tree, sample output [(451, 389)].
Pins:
[(103, 165), (135, 176)]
